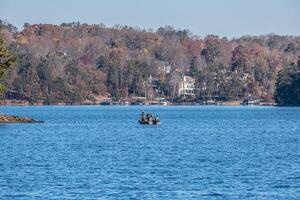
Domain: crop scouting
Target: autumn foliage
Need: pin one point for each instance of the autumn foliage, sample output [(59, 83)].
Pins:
[(75, 62)]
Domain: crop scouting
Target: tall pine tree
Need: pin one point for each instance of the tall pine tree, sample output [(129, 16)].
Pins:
[(7, 60), (287, 91)]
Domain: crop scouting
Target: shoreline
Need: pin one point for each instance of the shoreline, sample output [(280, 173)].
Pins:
[(133, 103), (175, 105)]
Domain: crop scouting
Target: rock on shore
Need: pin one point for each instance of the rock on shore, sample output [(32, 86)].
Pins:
[(15, 119)]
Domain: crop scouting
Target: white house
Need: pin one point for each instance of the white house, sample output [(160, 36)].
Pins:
[(186, 87)]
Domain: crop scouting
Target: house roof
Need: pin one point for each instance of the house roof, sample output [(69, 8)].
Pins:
[(188, 79)]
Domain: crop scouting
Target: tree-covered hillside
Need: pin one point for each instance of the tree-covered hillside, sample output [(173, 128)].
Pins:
[(77, 62)]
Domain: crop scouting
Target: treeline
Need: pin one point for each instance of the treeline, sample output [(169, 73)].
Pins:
[(77, 62)]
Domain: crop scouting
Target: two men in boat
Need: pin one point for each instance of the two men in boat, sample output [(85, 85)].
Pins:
[(148, 119)]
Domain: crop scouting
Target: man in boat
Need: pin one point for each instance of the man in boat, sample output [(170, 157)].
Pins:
[(156, 120), (149, 118), (143, 116)]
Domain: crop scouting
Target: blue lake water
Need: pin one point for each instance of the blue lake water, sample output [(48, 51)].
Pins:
[(98, 152)]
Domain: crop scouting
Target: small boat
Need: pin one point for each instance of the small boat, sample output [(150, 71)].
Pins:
[(149, 119)]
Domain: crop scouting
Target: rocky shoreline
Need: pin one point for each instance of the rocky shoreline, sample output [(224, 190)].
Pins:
[(15, 119)]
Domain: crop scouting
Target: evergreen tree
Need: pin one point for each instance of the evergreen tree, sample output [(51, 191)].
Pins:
[(193, 68), (7, 60), (288, 86)]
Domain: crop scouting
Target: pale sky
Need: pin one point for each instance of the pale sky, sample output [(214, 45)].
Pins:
[(231, 18)]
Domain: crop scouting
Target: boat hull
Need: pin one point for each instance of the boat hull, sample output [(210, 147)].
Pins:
[(149, 122)]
